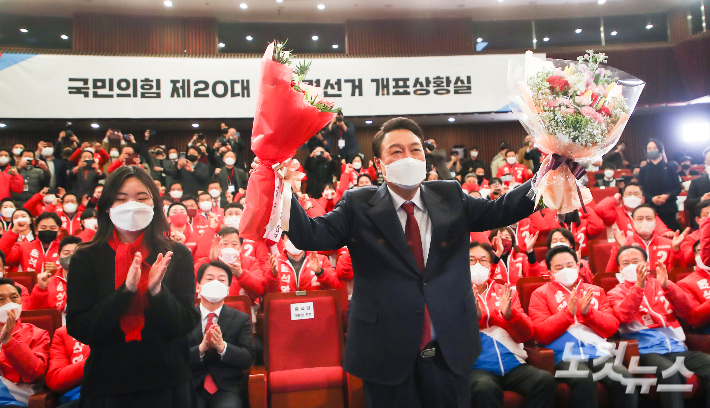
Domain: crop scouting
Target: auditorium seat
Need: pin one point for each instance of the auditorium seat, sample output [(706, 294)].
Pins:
[(606, 280), (599, 253), (600, 193), (678, 274), (26, 279), (303, 357), (49, 320)]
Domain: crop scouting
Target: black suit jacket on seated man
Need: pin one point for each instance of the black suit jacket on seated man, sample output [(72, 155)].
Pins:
[(226, 371), (389, 292)]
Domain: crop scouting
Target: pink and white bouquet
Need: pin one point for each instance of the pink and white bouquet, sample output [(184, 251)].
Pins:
[(575, 113)]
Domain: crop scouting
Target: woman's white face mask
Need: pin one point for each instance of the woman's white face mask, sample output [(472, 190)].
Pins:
[(131, 216)]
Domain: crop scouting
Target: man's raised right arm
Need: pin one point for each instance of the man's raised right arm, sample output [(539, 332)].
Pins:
[(325, 233)]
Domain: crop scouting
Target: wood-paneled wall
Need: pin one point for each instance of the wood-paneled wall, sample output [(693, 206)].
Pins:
[(409, 37), (95, 33)]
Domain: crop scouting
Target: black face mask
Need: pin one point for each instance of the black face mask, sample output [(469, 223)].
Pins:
[(685, 166), (191, 157), (47, 236), (158, 153), (225, 131), (480, 178)]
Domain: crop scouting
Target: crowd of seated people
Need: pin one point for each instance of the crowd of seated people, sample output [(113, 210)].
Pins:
[(47, 206)]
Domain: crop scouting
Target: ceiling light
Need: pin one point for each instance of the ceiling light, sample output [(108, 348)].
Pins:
[(500, 1), (696, 132), (95, 125), (195, 125), (614, 32), (546, 39), (64, 37), (221, 45), (23, 30), (249, 38), (452, 119), (335, 46), (601, 1), (321, 7), (168, 3), (649, 26), (367, 122), (243, 6), (479, 39), (279, 1), (314, 38), (2, 125), (579, 30), (534, 40)]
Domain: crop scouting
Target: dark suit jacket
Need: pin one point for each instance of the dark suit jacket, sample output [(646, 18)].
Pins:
[(226, 371), (698, 187), (389, 292), (194, 181)]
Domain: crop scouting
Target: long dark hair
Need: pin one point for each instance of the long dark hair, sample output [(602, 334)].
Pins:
[(154, 235)]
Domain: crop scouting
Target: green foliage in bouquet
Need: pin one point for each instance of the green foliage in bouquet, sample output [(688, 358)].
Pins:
[(284, 57)]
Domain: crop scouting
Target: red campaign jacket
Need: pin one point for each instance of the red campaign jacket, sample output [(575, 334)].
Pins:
[(200, 222), (518, 171), (658, 249), (198, 243), (481, 237), (548, 310), (520, 326), (100, 156), (285, 279), (686, 248), (316, 210), (610, 212), (517, 267), (250, 283), (66, 361), (71, 226), (697, 287), (24, 357), (36, 205), (86, 235), (653, 306), (10, 183), (53, 297), (29, 255), (589, 227)]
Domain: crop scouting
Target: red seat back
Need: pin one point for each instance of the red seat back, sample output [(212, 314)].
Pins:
[(540, 253), (26, 279), (306, 343), (599, 193), (241, 303), (606, 280), (599, 253), (46, 319), (526, 287), (678, 274)]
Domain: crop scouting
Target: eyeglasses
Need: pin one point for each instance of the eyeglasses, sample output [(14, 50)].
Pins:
[(484, 262)]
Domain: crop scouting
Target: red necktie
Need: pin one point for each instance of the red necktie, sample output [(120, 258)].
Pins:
[(414, 239), (209, 383)]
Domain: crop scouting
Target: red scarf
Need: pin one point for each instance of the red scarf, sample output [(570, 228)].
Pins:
[(132, 319)]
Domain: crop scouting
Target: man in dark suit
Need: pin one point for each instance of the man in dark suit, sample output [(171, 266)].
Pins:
[(221, 347), (192, 173), (413, 328), (698, 191)]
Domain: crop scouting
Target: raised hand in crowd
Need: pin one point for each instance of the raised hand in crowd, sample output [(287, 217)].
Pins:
[(9, 328), (50, 267), (642, 273), (314, 262), (504, 300), (157, 273), (586, 301), (677, 238), (236, 267), (620, 238), (43, 278), (214, 221), (530, 241), (228, 195), (177, 236), (497, 245), (661, 274), (274, 264)]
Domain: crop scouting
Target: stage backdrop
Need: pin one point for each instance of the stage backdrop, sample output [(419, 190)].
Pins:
[(66, 86)]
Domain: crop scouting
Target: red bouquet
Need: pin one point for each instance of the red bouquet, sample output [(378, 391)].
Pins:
[(288, 113)]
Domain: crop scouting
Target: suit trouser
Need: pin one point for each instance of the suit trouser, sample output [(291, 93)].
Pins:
[(220, 399), (695, 361), (583, 391), (431, 384), (537, 386)]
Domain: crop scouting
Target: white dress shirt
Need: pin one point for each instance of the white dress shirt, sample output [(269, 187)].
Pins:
[(204, 312), (422, 217)]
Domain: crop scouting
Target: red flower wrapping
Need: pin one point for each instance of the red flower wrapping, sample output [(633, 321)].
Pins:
[(283, 121)]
